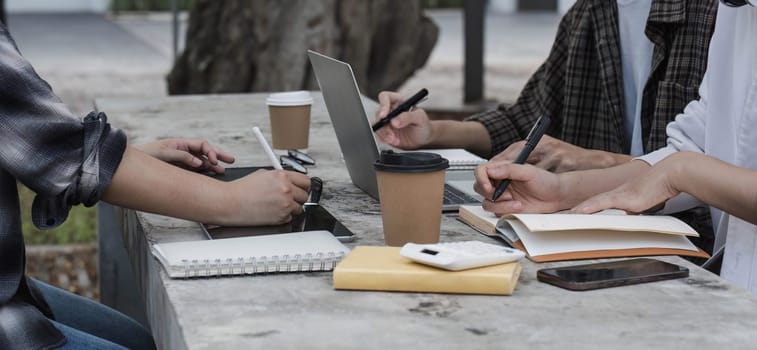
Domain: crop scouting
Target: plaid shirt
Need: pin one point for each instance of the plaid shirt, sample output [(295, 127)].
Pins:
[(64, 160), (580, 85)]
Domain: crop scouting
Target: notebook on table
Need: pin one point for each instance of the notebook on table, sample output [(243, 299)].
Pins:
[(355, 136), (609, 234), (459, 159), (383, 268), (286, 252)]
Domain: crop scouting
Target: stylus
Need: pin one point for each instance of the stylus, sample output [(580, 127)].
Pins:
[(532, 140), (266, 148), (403, 107)]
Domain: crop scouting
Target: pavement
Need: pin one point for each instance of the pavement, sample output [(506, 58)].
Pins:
[(87, 56)]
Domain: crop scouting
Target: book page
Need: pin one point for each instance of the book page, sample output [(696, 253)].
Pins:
[(633, 223), (477, 216), (543, 243)]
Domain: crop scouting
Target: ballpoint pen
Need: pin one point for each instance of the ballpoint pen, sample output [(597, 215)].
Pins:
[(403, 107), (539, 128), (267, 148)]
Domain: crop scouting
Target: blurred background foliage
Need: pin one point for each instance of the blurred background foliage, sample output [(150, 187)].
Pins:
[(165, 5), (80, 227)]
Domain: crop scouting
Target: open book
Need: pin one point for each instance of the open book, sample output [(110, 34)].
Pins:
[(286, 252), (554, 237)]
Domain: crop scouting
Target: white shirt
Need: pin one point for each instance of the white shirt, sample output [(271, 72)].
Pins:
[(636, 60), (723, 124)]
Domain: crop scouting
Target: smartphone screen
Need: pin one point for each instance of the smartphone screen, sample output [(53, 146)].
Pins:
[(611, 274)]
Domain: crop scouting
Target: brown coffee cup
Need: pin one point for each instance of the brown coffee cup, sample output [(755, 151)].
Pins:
[(289, 113), (411, 186)]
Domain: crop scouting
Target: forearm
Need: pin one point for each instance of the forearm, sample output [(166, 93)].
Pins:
[(597, 159), (577, 186), (724, 186), (470, 135), (145, 183)]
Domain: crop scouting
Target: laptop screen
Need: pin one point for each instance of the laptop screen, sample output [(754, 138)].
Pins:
[(355, 136), (353, 131)]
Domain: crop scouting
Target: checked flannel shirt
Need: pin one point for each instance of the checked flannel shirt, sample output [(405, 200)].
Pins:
[(65, 160), (580, 84)]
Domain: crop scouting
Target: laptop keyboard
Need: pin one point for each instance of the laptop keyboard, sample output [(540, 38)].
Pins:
[(453, 195)]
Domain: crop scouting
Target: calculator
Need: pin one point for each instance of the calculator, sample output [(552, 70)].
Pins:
[(460, 255)]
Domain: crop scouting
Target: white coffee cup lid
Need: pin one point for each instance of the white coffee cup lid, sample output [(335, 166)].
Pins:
[(291, 98)]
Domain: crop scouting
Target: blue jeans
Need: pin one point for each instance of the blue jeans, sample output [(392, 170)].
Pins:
[(91, 325)]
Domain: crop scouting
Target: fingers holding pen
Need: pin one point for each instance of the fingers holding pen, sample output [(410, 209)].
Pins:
[(388, 100), (531, 189)]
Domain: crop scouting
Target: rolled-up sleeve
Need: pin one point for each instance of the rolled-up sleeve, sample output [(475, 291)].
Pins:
[(66, 161)]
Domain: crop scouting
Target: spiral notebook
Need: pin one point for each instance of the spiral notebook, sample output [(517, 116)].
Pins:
[(459, 158), (286, 252)]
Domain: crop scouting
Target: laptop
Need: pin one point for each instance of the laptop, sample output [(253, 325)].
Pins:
[(356, 139)]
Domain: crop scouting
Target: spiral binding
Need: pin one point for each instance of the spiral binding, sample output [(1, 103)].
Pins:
[(262, 264)]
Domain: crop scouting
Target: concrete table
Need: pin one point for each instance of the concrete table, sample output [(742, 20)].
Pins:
[(302, 310)]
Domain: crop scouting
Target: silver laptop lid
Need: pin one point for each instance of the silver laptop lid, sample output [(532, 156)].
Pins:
[(353, 131)]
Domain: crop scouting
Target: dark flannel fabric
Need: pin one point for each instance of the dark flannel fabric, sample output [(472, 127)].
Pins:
[(66, 161), (580, 85)]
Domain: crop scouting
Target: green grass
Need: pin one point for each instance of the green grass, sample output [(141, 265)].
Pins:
[(80, 227)]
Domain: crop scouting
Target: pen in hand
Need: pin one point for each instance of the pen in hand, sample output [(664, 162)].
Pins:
[(537, 131), (267, 148), (403, 107)]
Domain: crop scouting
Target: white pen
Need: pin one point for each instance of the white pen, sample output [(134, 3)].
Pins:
[(267, 148)]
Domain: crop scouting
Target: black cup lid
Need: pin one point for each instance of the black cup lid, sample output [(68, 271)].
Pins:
[(410, 162)]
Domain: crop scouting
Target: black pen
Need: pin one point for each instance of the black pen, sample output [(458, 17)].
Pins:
[(403, 107), (539, 128)]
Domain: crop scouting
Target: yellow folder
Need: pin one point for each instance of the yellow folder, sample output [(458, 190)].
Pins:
[(383, 268)]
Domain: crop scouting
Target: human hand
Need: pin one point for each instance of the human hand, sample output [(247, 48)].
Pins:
[(193, 154), (531, 190), (409, 130), (559, 156), (645, 193), (269, 197)]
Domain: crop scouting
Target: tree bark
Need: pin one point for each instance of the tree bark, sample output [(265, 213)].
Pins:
[(261, 45)]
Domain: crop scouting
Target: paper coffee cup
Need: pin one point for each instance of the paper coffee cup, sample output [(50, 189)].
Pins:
[(289, 114), (411, 187)]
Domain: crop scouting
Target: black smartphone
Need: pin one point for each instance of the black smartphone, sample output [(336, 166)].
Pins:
[(611, 274), (313, 218)]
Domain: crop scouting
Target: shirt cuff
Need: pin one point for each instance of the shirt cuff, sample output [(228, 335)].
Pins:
[(656, 156)]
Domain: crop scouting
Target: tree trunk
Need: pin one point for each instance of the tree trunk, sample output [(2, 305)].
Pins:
[(260, 45), (3, 17)]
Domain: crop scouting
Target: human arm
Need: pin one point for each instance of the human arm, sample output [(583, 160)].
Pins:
[(724, 186), (193, 154), (535, 190), (686, 133), (263, 198), (559, 156), (413, 129), (68, 161)]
